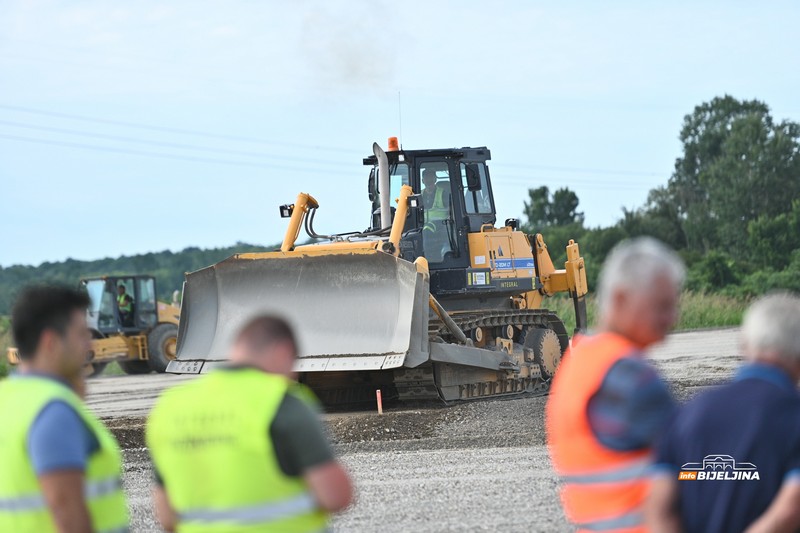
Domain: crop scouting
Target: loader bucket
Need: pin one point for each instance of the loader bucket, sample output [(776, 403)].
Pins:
[(363, 310)]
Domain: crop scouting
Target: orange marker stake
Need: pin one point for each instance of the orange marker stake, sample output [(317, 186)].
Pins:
[(380, 401)]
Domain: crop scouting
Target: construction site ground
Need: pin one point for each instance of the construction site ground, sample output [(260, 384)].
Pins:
[(477, 466)]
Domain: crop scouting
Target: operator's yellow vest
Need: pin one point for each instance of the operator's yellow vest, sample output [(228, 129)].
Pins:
[(210, 443), (437, 210), (22, 505), (124, 306)]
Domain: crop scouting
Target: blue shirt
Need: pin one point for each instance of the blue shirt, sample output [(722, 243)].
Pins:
[(632, 407), (58, 438), (748, 426)]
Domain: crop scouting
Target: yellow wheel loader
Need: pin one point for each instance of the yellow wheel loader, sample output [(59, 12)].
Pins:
[(128, 325), (431, 301)]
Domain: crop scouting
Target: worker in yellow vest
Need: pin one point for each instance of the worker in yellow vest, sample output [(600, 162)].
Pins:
[(242, 448), (435, 197), (60, 468), (436, 206), (125, 306), (607, 404)]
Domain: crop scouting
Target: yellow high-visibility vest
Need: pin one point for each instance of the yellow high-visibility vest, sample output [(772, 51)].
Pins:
[(438, 210), (124, 303), (210, 443), (22, 505)]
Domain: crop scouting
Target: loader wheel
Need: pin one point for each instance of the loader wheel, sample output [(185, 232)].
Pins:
[(543, 347), (162, 344), (135, 367)]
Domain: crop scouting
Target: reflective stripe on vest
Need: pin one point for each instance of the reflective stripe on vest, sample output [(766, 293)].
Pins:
[(635, 470), (629, 520), (253, 514), (33, 502), (92, 490), (97, 489)]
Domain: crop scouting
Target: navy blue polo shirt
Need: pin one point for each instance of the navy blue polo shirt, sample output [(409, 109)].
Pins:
[(736, 444)]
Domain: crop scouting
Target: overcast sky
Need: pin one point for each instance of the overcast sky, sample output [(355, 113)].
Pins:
[(128, 127)]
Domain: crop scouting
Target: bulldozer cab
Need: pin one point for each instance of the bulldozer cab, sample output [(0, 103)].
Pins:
[(454, 198), (124, 304)]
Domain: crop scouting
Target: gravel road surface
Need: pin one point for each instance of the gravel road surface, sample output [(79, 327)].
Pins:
[(478, 466)]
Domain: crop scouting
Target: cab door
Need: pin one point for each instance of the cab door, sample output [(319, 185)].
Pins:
[(147, 308), (477, 194), (444, 227)]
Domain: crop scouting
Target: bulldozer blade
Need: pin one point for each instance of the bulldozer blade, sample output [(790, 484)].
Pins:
[(349, 311)]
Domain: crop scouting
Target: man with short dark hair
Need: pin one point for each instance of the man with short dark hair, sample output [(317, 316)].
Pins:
[(731, 459), (61, 468), (243, 446)]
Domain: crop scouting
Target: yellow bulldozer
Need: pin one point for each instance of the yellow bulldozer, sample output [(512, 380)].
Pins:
[(432, 300), (128, 324)]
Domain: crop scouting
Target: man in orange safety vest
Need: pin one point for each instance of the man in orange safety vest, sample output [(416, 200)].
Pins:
[(607, 404)]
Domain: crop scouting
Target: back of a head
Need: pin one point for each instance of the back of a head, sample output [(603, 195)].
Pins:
[(634, 264), (39, 308), (771, 326), (261, 332)]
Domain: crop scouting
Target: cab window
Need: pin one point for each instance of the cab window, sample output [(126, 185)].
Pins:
[(146, 295), (478, 200), (398, 176)]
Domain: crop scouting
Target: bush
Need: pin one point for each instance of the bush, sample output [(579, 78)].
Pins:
[(759, 282), (714, 271)]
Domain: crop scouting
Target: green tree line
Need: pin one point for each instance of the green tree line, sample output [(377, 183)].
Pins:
[(731, 207), (167, 267)]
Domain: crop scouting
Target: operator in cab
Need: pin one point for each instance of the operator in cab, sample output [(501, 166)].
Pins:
[(124, 306), (436, 202)]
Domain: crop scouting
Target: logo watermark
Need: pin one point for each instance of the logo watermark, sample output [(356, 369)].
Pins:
[(718, 467)]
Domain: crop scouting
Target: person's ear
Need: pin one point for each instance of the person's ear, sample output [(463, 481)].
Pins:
[(287, 351), (619, 298), (49, 342)]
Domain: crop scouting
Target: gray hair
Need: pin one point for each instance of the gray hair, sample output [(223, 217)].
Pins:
[(772, 324), (634, 264)]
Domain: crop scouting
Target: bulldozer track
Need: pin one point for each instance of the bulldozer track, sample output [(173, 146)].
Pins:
[(421, 383), (470, 320)]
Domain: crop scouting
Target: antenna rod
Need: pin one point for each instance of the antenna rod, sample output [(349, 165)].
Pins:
[(400, 117)]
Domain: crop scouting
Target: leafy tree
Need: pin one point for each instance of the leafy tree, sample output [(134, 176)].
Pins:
[(731, 206), (772, 241), (537, 211), (564, 208), (658, 218), (714, 271), (737, 165), (558, 209)]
